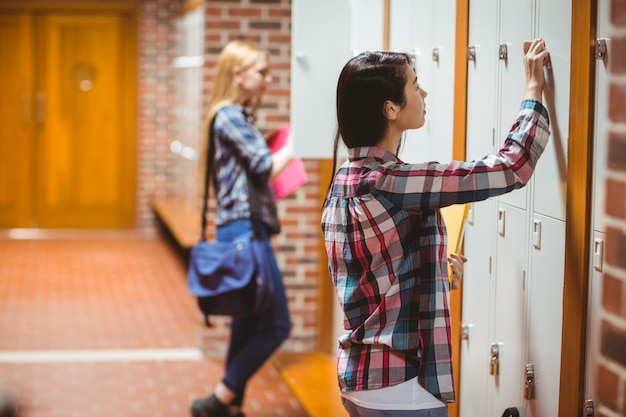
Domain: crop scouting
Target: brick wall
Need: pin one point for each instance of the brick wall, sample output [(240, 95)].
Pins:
[(155, 84), (268, 24), (612, 364)]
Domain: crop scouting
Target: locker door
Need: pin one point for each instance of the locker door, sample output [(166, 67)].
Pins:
[(550, 184), (510, 307), (477, 307), (440, 56), (545, 313), (479, 283), (407, 36), (594, 308), (366, 26), (602, 122), (481, 76), (315, 70), (515, 27)]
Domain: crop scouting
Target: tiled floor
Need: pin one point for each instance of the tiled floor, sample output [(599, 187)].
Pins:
[(102, 326)]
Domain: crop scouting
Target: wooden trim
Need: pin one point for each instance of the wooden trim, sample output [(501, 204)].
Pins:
[(578, 211), (459, 146), (69, 5), (326, 291), (386, 23)]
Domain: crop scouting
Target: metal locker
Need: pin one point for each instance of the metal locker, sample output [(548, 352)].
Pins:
[(515, 19), (406, 36), (545, 313), (481, 76), (432, 43), (315, 69), (596, 250), (477, 309), (366, 25), (550, 185), (509, 306)]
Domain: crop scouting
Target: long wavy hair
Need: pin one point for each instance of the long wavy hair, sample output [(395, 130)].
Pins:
[(235, 54), (365, 83)]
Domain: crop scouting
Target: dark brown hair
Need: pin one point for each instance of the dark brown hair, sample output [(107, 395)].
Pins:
[(365, 83)]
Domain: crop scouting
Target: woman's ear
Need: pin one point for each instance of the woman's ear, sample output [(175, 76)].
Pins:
[(390, 110), (237, 74)]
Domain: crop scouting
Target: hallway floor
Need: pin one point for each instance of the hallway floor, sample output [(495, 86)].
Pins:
[(95, 326)]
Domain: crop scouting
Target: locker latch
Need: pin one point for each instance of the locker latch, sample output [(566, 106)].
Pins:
[(471, 53), (529, 385), (436, 54), (601, 49), (590, 409), (503, 52), (494, 362)]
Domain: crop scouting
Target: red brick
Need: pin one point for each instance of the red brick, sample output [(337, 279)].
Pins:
[(613, 290), (618, 12)]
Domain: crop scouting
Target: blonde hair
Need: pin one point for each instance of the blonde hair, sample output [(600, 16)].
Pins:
[(235, 54)]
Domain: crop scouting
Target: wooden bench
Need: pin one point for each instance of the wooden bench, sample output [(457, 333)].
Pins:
[(180, 219), (312, 377)]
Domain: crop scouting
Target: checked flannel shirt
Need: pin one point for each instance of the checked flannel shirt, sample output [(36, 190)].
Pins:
[(386, 245), (241, 148)]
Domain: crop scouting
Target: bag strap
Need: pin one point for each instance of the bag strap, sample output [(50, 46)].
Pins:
[(253, 193)]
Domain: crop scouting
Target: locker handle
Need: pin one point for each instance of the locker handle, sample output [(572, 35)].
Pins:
[(598, 254), (501, 221), (436, 54), (537, 234)]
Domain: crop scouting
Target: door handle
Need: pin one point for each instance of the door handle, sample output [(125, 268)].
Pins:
[(26, 108), (40, 99)]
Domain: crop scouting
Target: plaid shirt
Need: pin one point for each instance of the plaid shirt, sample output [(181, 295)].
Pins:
[(240, 147), (386, 244)]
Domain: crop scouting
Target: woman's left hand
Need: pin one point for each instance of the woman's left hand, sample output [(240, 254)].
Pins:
[(457, 263)]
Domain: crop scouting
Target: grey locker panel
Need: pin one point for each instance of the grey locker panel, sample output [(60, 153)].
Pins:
[(315, 70), (545, 312), (516, 19), (481, 80), (432, 42), (510, 306), (551, 173), (477, 307)]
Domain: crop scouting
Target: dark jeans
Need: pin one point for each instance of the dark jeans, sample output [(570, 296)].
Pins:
[(356, 411), (254, 339)]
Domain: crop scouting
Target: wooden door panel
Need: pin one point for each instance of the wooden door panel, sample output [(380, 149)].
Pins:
[(82, 136), (15, 120)]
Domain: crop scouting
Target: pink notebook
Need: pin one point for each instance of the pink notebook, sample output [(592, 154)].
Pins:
[(294, 175)]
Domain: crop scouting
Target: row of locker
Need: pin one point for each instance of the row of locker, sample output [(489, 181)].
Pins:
[(516, 243)]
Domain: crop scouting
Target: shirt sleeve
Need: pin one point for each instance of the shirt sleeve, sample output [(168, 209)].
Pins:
[(435, 185), (243, 139)]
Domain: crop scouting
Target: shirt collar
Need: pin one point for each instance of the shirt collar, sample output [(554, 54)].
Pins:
[(381, 154)]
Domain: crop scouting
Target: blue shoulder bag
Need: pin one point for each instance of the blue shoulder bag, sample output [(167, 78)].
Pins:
[(230, 278)]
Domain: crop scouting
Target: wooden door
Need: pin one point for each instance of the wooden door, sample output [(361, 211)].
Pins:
[(15, 120), (78, 122)]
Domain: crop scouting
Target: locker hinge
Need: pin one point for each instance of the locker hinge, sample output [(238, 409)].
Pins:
[(601, 50), (590, 409)]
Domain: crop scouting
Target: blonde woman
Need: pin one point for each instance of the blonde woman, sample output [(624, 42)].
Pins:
[(241, 153)]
